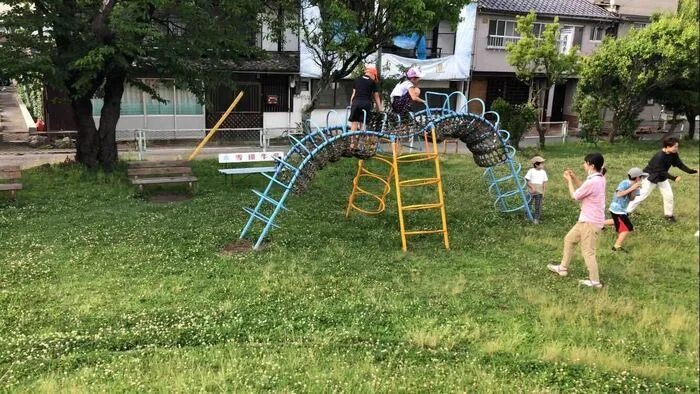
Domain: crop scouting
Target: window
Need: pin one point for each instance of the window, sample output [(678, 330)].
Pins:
[(538, 29), (440, 41), (336, 95), (132, 102), (597, 34), (155, 107), (501, 32), (640, 25), (566, 38), (187, 103)]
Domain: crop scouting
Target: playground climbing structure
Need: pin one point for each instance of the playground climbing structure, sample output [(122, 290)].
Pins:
[(321, 146)]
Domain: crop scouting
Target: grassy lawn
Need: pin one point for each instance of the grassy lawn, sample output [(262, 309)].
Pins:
[(102, 290)]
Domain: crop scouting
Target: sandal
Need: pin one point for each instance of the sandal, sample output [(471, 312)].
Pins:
[(558, 269), (590, 283)]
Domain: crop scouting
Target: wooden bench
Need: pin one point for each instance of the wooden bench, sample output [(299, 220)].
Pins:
[(11, 174), (643, 130), (160, 173), (248, 157)]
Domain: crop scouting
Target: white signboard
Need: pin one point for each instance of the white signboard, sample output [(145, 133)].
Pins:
[(247, 157)]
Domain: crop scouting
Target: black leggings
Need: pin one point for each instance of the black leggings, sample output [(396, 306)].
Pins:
[(401, 105)]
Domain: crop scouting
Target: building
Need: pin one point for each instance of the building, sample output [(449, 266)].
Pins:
[(470, 58), (636, 13), (582, 24), (445, 57), (268, 84)]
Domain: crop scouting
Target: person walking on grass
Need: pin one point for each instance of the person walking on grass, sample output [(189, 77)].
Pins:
[(657, 168), (591, 195), (536, 178), (626, 191)]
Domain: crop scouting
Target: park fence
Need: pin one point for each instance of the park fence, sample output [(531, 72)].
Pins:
[(138, 141)]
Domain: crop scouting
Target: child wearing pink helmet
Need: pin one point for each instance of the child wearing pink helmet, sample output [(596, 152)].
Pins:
[(406, 91)]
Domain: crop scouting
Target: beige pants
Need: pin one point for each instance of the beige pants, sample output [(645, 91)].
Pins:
[(587, 235)]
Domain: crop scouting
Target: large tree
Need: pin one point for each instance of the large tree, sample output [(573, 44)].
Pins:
[(659, 60), (539, 62), (679, 92), (93, 47), (347, 32)]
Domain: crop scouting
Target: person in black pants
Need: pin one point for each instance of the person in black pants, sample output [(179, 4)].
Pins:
[(364, 91), (658, 176)]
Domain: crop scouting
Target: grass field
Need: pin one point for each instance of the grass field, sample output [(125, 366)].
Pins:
[(102, 290)]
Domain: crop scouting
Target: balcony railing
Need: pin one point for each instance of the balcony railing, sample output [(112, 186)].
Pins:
[(499, 42), (432, 53)]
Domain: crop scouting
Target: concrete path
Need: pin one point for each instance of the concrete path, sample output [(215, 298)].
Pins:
[(12, 126)]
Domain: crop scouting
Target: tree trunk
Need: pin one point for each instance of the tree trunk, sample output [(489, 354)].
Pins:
[(308, 108), (614, 128), (535, 100), (691, 124), (86, 149), (107, 144), (541, 132)]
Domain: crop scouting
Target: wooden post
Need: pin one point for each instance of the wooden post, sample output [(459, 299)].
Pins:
[(216, 126)]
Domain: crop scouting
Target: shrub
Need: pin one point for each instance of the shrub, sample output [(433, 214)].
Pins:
[(516, 119), (590, 119)]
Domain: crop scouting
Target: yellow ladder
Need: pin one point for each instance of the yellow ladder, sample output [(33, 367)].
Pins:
[(437, 180), (385, 180)]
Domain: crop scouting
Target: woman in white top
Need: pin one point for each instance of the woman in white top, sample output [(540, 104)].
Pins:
[(406, 91)]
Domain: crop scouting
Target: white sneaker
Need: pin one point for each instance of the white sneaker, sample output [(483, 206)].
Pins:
[(590, 283), (558, 269)]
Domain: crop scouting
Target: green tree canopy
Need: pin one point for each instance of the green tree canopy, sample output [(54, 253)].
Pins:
[(93, 47), (539, 59), (650, 62), (679, 92), (349, 31)]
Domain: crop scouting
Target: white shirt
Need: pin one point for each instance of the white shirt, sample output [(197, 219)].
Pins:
[(401, 88), (536, 176)]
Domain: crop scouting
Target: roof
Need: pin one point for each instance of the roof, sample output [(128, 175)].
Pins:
[(579, 9), (284, 62)]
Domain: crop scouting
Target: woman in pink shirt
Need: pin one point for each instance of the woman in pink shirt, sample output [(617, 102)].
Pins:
[(591, 195)]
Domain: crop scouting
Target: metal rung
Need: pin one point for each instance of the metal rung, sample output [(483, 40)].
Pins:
[(260, 217), (284, 163), (272, 178), (416, 157), (419, 182), (269, 199), (424, 232), (418, 207)]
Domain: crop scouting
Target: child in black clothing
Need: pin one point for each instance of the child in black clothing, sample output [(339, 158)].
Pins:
[(657, 168)]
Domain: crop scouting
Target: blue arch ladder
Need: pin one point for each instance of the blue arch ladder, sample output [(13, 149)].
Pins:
[(309, 146)]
